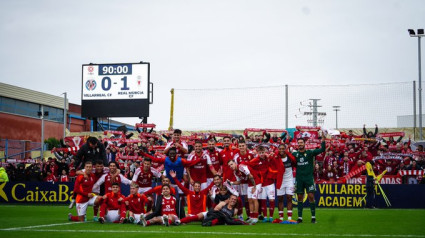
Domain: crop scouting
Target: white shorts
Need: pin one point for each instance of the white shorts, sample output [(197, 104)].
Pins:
[(113, 215), (203, 186), (255, 194), (82, 207), (136, 217), (195, 215), (267, 192), (243, 189), (143, 190), (286, 189)]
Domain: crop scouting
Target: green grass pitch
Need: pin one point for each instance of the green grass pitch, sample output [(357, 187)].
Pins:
[(52, 221)]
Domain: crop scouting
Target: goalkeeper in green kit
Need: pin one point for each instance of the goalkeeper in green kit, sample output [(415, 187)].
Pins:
[(304, 177)]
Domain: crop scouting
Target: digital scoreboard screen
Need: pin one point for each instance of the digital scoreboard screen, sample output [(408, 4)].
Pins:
[(115, 90)]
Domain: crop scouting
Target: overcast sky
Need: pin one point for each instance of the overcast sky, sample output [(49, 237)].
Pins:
[(209, 44)]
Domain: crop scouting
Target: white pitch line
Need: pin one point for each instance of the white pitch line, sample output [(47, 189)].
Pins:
[(224, 233), (38, 226)]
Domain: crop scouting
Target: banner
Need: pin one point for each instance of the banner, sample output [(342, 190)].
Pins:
[(114, 132), (391, 134), (387, 179), (411, 173), (142, 125), (76, 141), (308, 127), (351, 196), (327, 195), (306, 134), (40, 192)]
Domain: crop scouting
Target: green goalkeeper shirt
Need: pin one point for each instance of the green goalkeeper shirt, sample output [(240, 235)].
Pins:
[(305, 161)]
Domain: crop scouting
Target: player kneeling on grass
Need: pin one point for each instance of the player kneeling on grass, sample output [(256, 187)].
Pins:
[(83, 189), (113, 206), (165, 210), (223, 213), (135, 203)]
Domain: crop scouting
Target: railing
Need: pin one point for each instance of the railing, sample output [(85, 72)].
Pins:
[(17, 149)]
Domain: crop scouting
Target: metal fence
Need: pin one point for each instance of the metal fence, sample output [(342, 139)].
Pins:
[(286, 106), (17, 149)]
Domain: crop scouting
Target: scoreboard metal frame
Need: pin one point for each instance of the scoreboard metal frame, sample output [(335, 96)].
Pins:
[(116, 90)]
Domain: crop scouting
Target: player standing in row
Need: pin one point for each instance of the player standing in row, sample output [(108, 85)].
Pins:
[(265, 165), (244, 172), (285, 161), (213, 153), (180, 146), (225, 155), (143, 177), (198, 171), (243, 156), (111, 178), (304, 178)]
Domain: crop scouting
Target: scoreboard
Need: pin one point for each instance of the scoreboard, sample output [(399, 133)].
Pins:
[(116, 90)]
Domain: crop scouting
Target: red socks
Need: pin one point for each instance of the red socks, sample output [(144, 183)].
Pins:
[(214, 222), (189, 219), (75, 218), (263, 204), (271, 209)]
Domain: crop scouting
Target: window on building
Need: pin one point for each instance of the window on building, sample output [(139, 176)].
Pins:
[(29, 109)]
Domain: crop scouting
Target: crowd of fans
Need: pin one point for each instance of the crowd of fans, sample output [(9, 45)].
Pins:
[(344, 153)]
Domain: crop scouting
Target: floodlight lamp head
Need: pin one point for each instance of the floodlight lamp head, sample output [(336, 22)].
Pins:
[(411, 32), (421, 32)]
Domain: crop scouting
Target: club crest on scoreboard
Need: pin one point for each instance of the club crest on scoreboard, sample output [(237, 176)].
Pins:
[(91, 84)]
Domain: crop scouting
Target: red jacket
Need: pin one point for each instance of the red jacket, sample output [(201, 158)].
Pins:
[(281, 168)]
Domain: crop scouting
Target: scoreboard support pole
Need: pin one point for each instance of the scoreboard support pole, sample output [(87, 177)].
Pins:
[(95, 124)]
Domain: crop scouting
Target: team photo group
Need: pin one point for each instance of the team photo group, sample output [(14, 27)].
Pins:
[(208, 181)]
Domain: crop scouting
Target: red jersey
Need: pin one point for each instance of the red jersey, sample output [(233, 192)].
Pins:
[(198, 171), (50, 178), (215, 162), (136, 203), (64, 178), (168, 206), (83, 187), (264, 167), (158, 190), (196, 201), (243, 172), (179, 152), (318, 176), (243, 159), (225, 155), (330, 175), (144, 179), (112, 202), (108, 179)]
